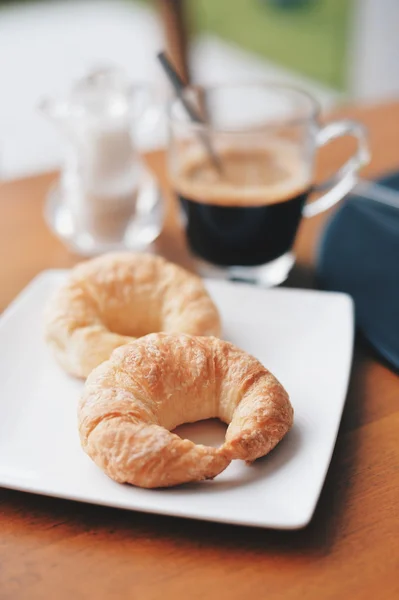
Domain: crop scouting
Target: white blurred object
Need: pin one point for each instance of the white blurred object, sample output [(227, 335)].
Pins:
[(100, 202), (374, 49), (45, 45)]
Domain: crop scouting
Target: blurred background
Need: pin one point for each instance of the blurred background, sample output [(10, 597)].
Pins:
[(336, 49)]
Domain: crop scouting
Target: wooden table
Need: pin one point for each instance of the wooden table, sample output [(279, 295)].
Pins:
[(58, 549)]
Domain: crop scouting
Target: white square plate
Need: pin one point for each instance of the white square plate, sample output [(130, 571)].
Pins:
[(304, 337)]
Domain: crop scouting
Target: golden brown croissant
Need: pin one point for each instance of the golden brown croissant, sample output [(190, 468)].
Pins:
[(147, 388), (111, 300)]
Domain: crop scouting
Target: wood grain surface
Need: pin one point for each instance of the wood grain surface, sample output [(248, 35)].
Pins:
[(60, 549)]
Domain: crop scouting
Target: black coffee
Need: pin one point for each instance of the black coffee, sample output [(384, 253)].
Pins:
[(252, 229), (234, 235)]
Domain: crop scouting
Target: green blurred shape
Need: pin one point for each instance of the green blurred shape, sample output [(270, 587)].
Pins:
[(310, 38)]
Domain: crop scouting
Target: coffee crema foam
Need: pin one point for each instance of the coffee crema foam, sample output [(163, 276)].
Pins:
[(253, 176)]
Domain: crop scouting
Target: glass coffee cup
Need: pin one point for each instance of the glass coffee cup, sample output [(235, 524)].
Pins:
[(244, 175)]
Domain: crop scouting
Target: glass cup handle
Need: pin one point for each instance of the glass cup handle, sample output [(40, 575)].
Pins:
[(346, 177)]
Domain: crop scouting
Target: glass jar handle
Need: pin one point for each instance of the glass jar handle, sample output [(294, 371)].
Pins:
[(346, 177)]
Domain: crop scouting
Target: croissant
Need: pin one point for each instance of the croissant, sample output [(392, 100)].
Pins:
[(133, 401), (111, 300)]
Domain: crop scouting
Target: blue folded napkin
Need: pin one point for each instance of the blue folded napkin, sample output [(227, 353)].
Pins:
[(359, 255)]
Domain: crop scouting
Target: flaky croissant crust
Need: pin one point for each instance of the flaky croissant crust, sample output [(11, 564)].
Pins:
[(147, 388), (113, 299)]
